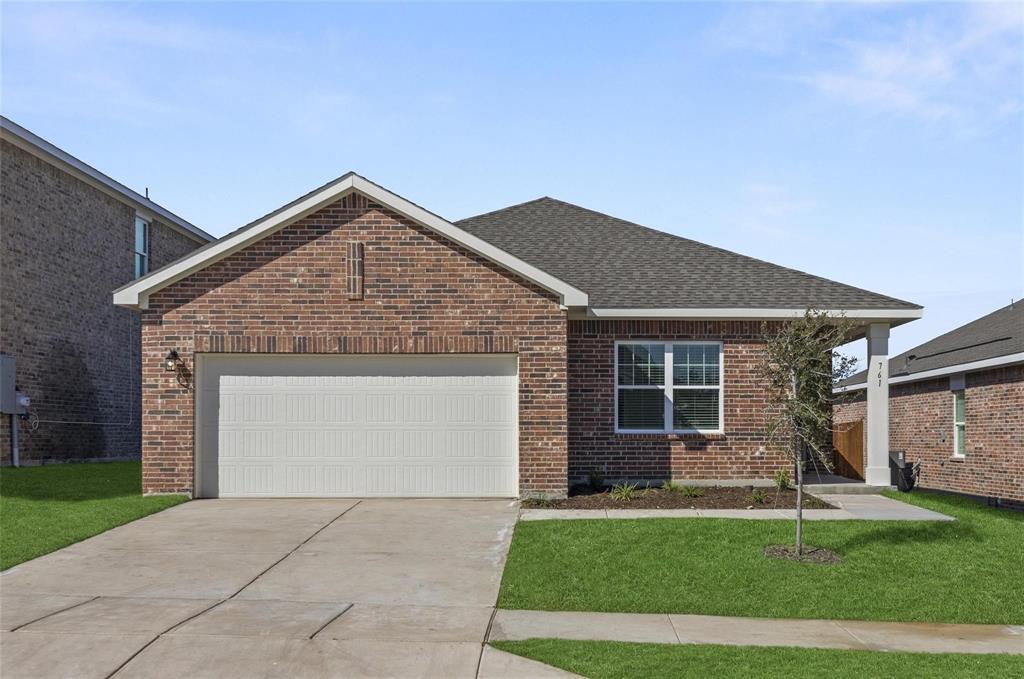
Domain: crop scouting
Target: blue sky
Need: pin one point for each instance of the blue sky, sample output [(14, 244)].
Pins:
[(879, 145)]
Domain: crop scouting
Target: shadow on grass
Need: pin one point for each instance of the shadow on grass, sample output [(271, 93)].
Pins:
[(905, 534), (72, 482)]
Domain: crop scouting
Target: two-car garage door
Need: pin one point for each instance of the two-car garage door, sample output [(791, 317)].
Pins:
[(273, 425)]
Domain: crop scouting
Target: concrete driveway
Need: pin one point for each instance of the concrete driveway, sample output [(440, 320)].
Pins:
[(266, 588)]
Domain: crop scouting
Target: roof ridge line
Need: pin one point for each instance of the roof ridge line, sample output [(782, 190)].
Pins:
[(1009, 306), (507, 207), (702, 244)]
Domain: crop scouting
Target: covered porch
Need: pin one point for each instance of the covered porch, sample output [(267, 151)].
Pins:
[(862, 445)]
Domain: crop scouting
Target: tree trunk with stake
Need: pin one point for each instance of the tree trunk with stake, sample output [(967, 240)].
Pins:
[(799, 371), (799, 477), (799, 509)]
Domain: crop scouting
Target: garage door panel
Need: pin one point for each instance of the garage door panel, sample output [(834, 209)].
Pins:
[(330, 426), (339, 479), (474, 479)]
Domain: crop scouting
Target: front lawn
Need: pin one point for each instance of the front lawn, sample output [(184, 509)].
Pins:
[(613, 660), (967, 571), (46, 508)]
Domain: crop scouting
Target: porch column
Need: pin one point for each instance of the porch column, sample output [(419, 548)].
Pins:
[(876, 472)]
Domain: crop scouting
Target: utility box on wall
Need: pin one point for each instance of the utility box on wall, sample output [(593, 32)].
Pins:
[(8, 390)]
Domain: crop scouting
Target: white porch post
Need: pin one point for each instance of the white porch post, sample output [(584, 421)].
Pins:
[(876, 472)]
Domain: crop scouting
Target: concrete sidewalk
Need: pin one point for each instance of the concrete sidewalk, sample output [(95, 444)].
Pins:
[(848, 507), (708, 629)]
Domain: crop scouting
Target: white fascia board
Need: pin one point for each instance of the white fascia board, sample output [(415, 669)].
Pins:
[(136, 293), (39, 147), (863, 315), (973, 366)]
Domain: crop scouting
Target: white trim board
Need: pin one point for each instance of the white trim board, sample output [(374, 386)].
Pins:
[(39, 147), (973, 366), (753, 313), (136, 293)]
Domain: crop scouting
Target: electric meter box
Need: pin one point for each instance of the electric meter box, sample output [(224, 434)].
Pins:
[(8, 393)]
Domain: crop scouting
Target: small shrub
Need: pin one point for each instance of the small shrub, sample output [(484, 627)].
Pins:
[(595, 479), (692, 491), (623, 491), (672, 486), (758, 497), (782, 479)]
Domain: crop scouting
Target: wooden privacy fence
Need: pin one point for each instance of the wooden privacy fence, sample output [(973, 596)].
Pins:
[(848, 440)]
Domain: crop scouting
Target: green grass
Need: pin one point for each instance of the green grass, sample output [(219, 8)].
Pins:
[(46, 508), (967, 571), (614, 660)]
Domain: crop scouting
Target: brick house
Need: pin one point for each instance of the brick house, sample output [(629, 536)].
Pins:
[(352, 343), (957, 406), (68, 238)]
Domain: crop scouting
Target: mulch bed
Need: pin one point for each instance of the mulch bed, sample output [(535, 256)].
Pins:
[(810, 554), (714, 497)]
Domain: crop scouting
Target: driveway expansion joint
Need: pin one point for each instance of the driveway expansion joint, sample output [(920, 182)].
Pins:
[(295, 549), (324, 626), (44, 617), (166, 631)]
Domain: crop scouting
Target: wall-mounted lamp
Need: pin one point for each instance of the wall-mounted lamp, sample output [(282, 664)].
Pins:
[(173, 363)]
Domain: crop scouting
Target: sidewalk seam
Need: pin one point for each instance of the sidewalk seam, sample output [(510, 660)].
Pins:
[(866, 645), (675, 631)]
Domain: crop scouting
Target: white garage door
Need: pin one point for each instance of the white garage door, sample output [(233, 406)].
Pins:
[(357, 426)]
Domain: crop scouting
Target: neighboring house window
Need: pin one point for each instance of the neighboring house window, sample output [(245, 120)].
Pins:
[(668, 387), (959, 424), (141, 247)]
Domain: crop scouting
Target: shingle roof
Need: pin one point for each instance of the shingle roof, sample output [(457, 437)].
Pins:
[(1000, 333), (623, 265)]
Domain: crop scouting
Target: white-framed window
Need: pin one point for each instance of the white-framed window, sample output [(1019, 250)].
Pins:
[(141, 246), (668, 387), (959, 423)]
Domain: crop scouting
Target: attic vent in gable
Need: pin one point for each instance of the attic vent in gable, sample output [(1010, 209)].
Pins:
[(355, 270), (356, 201)]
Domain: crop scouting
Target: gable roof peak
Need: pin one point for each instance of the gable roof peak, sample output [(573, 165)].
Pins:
[(136, 293)]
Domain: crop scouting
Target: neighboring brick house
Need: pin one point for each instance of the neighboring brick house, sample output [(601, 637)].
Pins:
[(957, 406), (352, 343), (68, 238)]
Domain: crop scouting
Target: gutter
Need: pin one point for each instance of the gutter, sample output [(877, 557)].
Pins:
[(973, 366)]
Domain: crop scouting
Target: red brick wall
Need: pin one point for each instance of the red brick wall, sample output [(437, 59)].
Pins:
[(921, 422), (422, 294), (740, 453), (64, 247)]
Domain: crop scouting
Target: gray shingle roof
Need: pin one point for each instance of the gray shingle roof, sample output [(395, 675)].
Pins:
[(1000, 333), (620, 264)]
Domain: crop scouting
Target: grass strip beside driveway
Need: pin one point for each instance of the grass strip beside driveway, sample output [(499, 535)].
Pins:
[(45, 508), (966, 571), (613, 660)]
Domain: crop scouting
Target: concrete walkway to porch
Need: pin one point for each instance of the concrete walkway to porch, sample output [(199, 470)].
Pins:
[(863, 507), (732, 631)]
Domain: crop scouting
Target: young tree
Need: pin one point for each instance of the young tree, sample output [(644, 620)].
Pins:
[(800, 370)]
